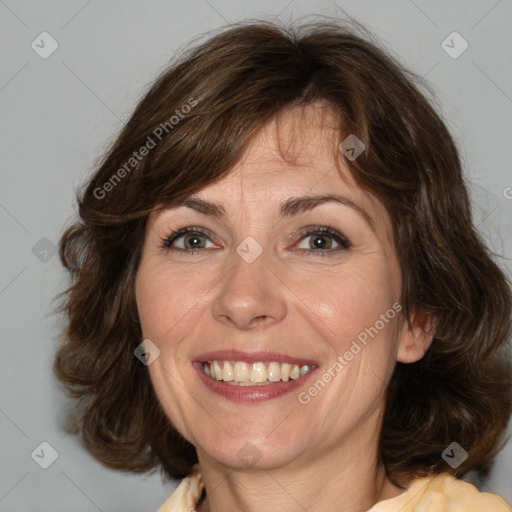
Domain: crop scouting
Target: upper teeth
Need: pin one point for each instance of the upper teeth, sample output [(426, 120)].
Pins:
[(239, 372)]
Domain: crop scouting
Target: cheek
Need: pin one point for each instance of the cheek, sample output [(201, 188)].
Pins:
[(349, 301), (166, 303), (164, 297)]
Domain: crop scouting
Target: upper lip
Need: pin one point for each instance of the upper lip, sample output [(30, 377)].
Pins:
[(253, 357)]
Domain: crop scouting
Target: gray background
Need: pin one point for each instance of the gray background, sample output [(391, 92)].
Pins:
[(59, 113)]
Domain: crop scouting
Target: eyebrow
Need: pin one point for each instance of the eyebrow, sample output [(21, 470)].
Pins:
[(290, 207)]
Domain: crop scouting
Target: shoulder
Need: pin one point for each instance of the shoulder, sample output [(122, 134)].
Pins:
[(443, 493), (187, 493)]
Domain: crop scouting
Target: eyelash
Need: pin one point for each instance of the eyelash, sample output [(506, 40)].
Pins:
[(344, 243)]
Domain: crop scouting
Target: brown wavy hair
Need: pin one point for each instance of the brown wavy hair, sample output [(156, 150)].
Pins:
[(195, 121)]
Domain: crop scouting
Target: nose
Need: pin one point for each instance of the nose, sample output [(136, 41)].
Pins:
[(250, 295)]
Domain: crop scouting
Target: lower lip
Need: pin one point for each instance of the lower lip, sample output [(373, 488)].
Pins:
[(250, 394)]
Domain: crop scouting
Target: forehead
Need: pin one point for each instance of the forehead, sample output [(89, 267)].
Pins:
[(296, 151), (302, 137), (295, 154)]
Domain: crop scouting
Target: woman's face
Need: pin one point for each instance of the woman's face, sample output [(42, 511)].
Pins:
[(258, 279)]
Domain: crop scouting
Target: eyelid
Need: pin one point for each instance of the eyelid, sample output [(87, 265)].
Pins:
[(343, 242), (166, 241), (339, 237)]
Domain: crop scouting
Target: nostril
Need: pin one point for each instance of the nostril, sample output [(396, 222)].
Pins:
[(261, 318)]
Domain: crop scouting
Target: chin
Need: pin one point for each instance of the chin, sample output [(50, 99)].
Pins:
[(254, 452)]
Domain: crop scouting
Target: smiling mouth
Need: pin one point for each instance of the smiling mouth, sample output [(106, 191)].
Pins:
[(240, 373)]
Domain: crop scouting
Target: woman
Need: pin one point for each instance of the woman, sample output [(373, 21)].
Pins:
[(277, 290)]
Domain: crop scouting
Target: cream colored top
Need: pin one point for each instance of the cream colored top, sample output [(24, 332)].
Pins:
[(441, 493)]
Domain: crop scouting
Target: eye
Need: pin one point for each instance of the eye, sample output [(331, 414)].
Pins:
[(323, 239), (188, 239)]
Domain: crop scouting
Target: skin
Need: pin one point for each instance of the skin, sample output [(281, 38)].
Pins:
[(309, 305)]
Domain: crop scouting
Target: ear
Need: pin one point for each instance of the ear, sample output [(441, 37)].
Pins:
[(414, 341)]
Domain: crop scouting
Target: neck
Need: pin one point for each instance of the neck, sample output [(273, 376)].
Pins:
[(348, 478)]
